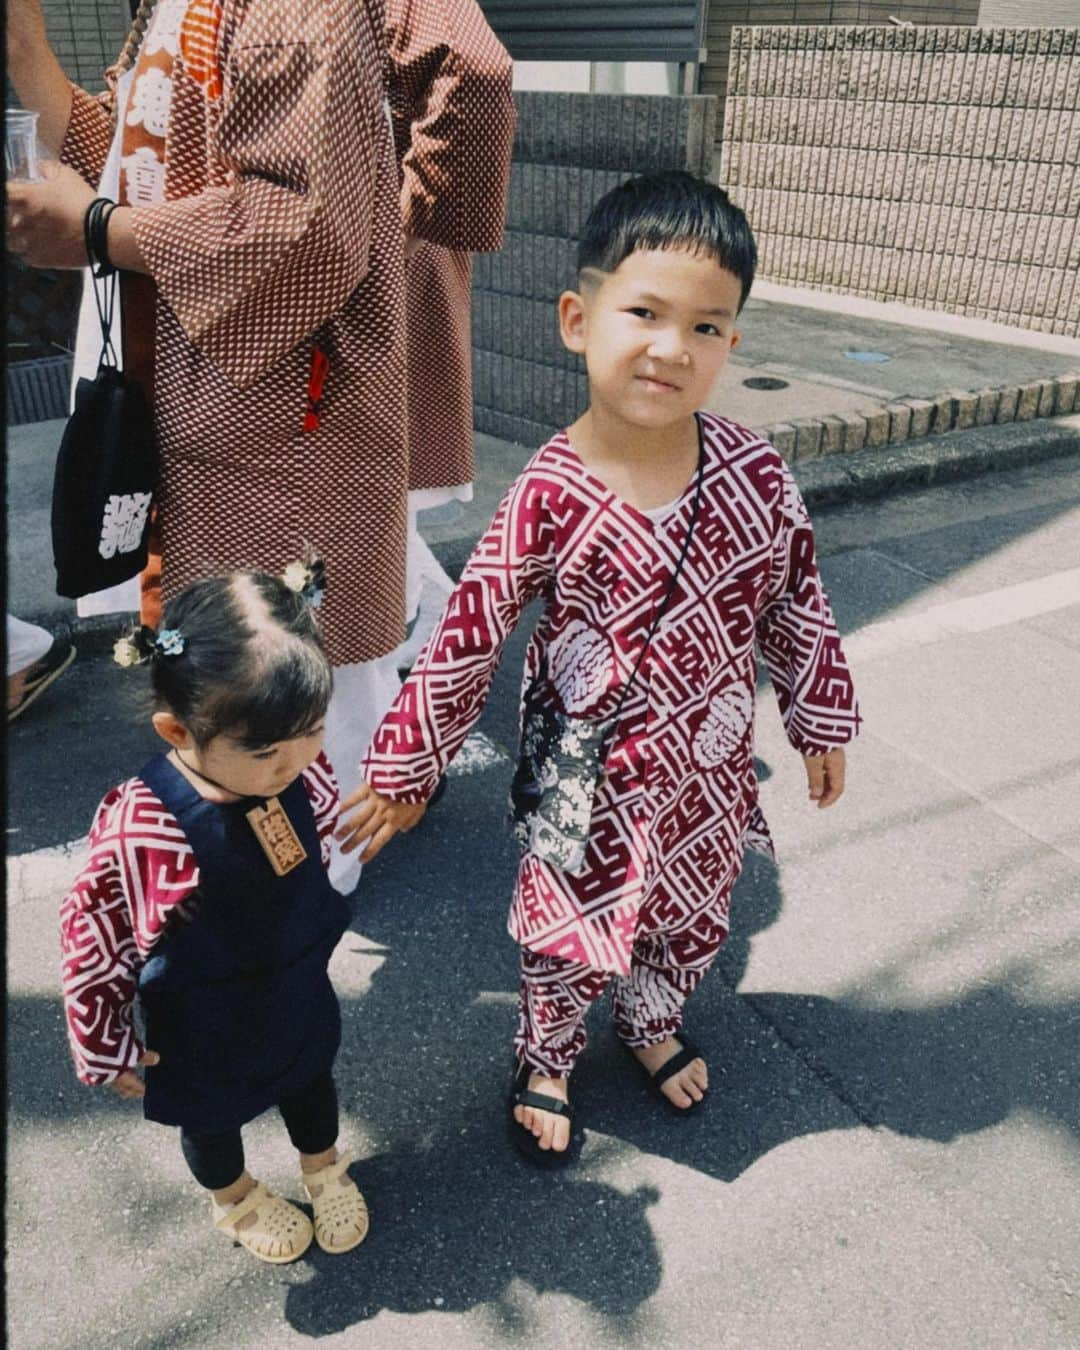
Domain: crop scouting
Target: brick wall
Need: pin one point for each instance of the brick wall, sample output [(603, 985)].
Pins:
[(938, 167), (723, 15), (569, 150), (1029, 13)]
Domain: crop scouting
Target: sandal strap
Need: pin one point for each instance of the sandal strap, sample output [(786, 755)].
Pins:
[(331, 1172), (678, 1061), (540, 1101), (256, 1197)]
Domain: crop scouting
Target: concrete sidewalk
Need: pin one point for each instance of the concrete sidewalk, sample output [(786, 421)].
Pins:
[(818, 354)]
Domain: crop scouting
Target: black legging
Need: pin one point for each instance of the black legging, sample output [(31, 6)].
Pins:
[(311, 1118)]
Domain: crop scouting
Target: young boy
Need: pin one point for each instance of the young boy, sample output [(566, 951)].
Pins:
[(596, 524)]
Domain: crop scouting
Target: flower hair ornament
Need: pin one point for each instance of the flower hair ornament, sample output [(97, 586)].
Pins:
[(143, 644), (307, 580)]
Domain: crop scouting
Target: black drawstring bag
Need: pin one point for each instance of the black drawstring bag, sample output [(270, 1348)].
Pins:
[(106, 472)]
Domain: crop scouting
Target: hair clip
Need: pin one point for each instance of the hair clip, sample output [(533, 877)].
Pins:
[(126, 652), (170, 642), (307, 580)]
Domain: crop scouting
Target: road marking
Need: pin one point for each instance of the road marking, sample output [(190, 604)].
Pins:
[(973, 614), (46, 871)]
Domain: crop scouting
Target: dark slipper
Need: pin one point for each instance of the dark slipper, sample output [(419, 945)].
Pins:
[(42, 673), (678, 1061), (524, 1140)]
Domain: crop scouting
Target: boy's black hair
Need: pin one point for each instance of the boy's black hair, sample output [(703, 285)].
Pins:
[(668, 210), (252, 664)]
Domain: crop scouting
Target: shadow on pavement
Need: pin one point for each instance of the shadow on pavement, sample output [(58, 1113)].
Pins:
[(457, 1219)]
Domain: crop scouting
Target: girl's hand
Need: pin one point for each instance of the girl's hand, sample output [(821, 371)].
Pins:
[(376, 822), (129, 1083), (45, 220), (825, 776)]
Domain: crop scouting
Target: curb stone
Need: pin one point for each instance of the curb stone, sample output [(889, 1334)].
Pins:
[(964, 454), (908, 419)]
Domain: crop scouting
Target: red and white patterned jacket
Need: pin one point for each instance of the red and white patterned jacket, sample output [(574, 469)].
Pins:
[(140, 868), (678, 800)]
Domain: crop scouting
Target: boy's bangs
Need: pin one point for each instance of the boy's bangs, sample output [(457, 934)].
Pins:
[(668, 211)]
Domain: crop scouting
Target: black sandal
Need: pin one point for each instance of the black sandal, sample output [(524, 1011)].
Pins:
[(524, 1140), (678, 1061), (42, 673)]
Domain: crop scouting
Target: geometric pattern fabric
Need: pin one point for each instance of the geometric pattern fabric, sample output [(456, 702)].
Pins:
[(678, 800)]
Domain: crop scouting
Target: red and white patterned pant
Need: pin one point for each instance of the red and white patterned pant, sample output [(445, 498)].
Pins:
[(647, 1004)]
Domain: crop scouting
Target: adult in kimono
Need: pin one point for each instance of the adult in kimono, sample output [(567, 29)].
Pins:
[(449, 85), (260, 244)]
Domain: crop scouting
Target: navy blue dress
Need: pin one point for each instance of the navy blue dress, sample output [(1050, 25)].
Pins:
[(236, 997)]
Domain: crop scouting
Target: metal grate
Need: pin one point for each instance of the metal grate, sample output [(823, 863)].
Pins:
[(599, 30), (38, 391)]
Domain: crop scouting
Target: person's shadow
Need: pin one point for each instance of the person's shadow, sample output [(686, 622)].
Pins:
[(459, 1218), (459, 1221)]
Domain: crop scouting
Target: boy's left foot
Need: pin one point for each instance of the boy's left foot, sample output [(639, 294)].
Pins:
[(540, 1116), (683, 1086)]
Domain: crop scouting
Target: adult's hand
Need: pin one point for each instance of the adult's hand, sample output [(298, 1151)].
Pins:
[(45, 220)]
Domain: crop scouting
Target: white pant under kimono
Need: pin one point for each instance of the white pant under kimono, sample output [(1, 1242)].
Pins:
[(364, 692), (26, 643)]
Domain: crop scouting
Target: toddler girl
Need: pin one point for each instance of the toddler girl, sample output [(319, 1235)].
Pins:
[(206, 898)]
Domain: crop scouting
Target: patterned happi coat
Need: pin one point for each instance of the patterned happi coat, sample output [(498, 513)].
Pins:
[(678, 800), (140, 872), (280, 231), (449, 86)]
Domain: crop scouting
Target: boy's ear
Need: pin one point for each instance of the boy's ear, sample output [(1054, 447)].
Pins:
[(572, 321), (736, 338), (171, 729)]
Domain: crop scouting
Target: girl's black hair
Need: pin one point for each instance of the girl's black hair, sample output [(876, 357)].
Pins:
[(666, 211), (252, 665)]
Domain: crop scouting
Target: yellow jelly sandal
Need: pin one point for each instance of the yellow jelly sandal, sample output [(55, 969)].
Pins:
[(280, 1232), (341, 1217)]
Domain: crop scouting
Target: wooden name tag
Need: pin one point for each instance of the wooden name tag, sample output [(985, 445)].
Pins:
[(275, 833)]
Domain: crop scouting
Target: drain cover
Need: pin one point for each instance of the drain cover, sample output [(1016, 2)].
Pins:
[(765, 382), (868, 358)]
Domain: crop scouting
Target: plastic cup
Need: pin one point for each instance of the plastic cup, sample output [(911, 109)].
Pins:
[(20, 145)]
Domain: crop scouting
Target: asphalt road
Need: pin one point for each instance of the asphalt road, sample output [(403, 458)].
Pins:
[(889, 1157)]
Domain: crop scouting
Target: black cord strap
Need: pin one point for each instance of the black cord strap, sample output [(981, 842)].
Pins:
[(96, 236), (102, 271)]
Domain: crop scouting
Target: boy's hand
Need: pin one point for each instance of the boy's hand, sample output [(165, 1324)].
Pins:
[(129, 1083), (376, 822), (825, 776)]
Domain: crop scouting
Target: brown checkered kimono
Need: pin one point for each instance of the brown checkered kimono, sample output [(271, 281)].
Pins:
[(280, 233)]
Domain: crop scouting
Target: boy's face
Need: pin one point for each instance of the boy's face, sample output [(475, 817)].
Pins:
[(655, 333)]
